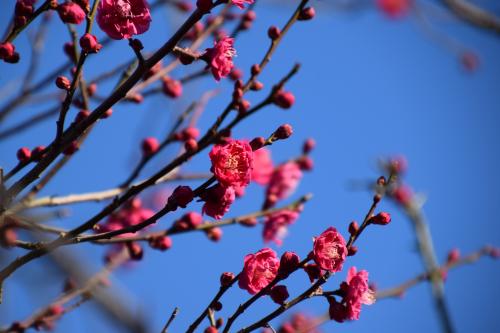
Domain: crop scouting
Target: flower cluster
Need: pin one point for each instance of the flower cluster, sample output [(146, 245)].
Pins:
[(232, 164)]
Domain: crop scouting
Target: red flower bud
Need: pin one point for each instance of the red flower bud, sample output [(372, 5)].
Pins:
[(289, 262), (308, 146), (279, 294), (62, 82), (136, 98), (313, 271), (226, 278), (305, 163), (191, 145), (89, 43), (382, 218), (274, 32), (181, 196), (453, 256), (250, 222), (353, 228), (210, 329), (257, 143), (243, 106), (255, 70), (37, 153), (23, 154), (190, 133), (284, 99), (7, 50), (306, 14), (256, 86), (150, 146), (235, 74), (283, 132), (249, 16), (135, 250), (352, 250), (70, 12), (171, 87), (161, 243), (214, 234)]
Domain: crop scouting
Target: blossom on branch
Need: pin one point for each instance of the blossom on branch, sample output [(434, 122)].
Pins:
[(330, 250), (220, 57), (217, 199), (123, 18), (232, 162), (259, 270)]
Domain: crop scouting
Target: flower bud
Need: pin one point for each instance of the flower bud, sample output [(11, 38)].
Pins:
[(284, 99), (70, 12), (306, 14), (289, 262), (255, 70), (352, 250), (214, 234), (161, 243), (382, 218), (257, 143), (136, 98), (37, 153), (62, 82), (190, 133), (274, 32), (353, 228), (243, 106), (256, 85), (226, 278), (249, 222), (283, 132), (453, 256), (150, 146), (171, 87), (235, 74), (210, 329), (279, 294), (7, 50), (89, 43), (313, 271), (308, 146), (191, 145), (305, 163), (181, 196), (23, 154), (135, 250)]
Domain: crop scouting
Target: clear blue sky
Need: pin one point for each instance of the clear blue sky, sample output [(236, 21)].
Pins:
[(369, 87)]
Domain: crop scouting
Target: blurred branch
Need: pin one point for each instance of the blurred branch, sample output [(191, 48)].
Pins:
[(474, 14)]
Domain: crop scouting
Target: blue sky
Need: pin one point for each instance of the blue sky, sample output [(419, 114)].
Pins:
[(369, 87)]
